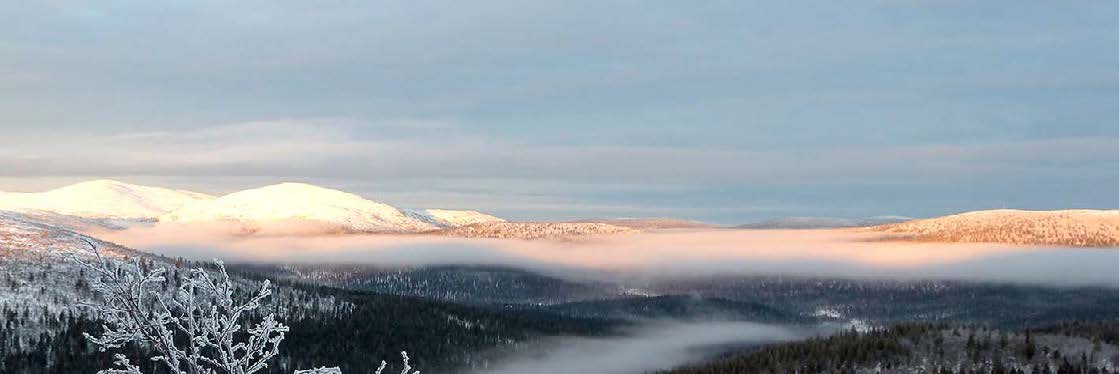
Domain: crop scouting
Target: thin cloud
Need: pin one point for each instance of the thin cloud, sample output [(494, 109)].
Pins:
[(356, 151)]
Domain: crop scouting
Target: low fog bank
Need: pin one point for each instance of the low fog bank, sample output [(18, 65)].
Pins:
[(654, 347), (825, 253)]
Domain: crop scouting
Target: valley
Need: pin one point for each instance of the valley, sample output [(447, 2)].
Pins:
[(559, 187), (468, 292)]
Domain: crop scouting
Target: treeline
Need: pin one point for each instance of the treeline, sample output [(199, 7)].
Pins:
[(439, 336), (934, 348), (840, 353), (61, 350), (677, 307), (1105, 331)]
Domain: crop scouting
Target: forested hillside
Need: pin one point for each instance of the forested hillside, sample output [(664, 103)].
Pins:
[(468, 284), (933, 348), (42, 326), (349, 332)]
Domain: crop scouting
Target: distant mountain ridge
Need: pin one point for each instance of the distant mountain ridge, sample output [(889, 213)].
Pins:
[(535, 230), (102, 199), (452, 218), (823, 222), (285, 207), (649, 223), (1075, 228), (286, 203)]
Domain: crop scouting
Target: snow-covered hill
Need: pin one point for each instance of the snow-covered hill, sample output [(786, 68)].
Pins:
[(280, 209), (1080, 228), (102, 199), (34, 268), (286, 208), (300, 207), (453, 218), (22, 237), (39, 281)]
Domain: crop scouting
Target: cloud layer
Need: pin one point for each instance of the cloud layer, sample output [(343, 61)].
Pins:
[(825, 253)]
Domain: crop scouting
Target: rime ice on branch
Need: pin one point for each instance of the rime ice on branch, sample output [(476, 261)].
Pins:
[(199, 328), (334, 370)]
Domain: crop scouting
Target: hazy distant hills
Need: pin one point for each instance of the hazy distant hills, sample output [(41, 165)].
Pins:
[(1077, 228), (102, 199), (797, 223), (299, 204), (305, 209), (280, 209), (658, 223), (534, 230), (1073, 228)]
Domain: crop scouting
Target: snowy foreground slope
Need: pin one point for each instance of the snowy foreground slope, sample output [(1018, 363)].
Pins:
[(102, 199), (37, 279), (42, 325), (34, 268), (1078, 228)]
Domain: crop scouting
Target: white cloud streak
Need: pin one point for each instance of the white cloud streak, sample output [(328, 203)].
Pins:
[(349, 150)]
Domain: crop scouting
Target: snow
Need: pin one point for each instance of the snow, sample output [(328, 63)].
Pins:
[(35, 274), (1081, 228), (286, 208), (102, 199), (22, 237), (831, 313), (454, 218), (33, 266), (298, 202)]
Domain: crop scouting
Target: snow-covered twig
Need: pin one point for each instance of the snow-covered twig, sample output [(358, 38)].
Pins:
[(407, 367), (199, 328)]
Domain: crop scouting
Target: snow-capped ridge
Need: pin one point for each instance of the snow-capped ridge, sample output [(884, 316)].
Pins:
[(447, 218), (102, 199), (1077, 227), (300, 203)]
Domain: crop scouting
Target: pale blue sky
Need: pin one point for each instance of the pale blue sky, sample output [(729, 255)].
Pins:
[(723, 111)]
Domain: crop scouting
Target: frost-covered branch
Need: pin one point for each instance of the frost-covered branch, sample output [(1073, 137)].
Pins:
[(334, 370), (198, 328)]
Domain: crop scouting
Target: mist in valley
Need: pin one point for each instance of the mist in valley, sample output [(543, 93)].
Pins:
[(675, 253), (654, 346)]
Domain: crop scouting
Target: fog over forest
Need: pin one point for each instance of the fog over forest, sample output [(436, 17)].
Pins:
[(827, 253), (655, 346)]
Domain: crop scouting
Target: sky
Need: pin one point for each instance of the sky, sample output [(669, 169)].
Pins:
[(723, 111)]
